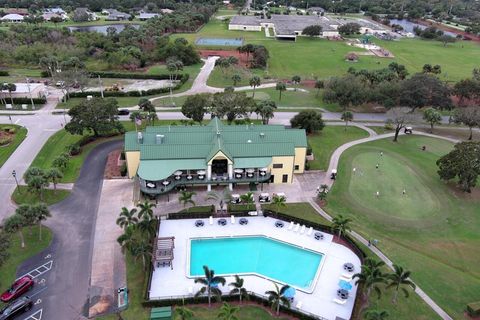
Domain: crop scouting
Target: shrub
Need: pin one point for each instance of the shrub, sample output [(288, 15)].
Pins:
[(123, 170), (4, 73), (473, 309), (44, 74), (122, 155), (241, 208), (28, 101), (389, 124), (74, 149), (4, 141), (11, 130)]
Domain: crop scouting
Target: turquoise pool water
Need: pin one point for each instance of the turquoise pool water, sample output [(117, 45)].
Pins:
[(227, 42), (267, 257)]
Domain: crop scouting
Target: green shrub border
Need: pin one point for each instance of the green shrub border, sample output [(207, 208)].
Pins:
[(473, 309)]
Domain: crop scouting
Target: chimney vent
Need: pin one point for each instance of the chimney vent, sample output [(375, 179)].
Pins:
[(160, 138), (140, 137)]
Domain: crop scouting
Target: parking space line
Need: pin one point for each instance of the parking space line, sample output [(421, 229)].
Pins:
[(36, 316), (38, 292), (39, 270)]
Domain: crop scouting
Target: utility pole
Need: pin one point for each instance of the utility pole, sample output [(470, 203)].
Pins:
[(101, 86), (30, 93)]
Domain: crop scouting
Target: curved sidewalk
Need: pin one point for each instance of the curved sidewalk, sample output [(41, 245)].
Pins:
[(333, 164)]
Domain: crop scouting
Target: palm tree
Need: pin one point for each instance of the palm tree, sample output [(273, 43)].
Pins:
[(127, 240), (183, 313), (236, 78), (280, 87), (142, 250), (221, 197), (151, 117), (148, 227), (296, 81), (254, 82), (25, 210), (228, 312), (53, 175), (347, 116), (247, 197), (370, 277), (127, 218), (397, 279), (276, 298), (266, 110), (324, 187), (374, 314), (319, 84), (210, 283), (238, 288), (37, 184), (146, 210), (341, 224), (186, 198), (278, 202), (41, 213), (11, 87), (14, 224)]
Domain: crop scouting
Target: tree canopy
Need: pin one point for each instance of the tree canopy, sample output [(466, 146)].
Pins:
[(310, 120), (312, 31)]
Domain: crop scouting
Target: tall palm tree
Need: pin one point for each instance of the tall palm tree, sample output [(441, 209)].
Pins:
[(296, 81), (145, 211), (183, 313), (254, 82), (374, 314), (14, 224), (276, 298), (238, 288), (210, 283), (54, 175), (347, 116), (41, 213), (236, 78), (221, 197), (127, 218), (341, 224), (370, 277), (142, 250), (280, 86), (11, 87), (148, 227), (278, 202), (247, 197), (127, 240), (186, 198), (228, 312), (397, 279)]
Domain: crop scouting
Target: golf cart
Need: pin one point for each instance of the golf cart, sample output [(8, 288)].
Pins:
[(408, 130), (281, 195), (333, 175), (264, 197), (235, 198)]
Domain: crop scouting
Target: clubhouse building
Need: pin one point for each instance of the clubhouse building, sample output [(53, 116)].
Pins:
[(164, 158)]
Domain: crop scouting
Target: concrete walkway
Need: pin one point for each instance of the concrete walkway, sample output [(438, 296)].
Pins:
[(333, 164)]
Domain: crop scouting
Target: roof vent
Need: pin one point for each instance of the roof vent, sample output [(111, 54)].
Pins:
[(140, 137), (249, 141), (218, 133), (262, 135), (159, 138)]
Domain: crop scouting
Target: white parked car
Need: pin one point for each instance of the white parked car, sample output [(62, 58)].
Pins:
[(264, 197)]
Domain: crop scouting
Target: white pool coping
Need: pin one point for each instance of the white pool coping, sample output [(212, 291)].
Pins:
[(167, 283), (309, 289)]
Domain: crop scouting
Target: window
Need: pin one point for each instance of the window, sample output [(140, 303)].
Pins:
[(285, 178), (277, 165), (297, 167)]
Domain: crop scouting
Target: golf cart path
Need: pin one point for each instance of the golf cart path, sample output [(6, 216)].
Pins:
[(333, 164)]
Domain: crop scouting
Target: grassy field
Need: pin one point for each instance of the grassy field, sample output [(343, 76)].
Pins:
[(330, 138), (123, 102), (6, 151), (56, 145), (432, 230), (17, 255), (246, 312), (22, 195), (322, 58)]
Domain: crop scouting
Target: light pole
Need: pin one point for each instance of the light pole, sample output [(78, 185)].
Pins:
[(30, 93), (14, 174)]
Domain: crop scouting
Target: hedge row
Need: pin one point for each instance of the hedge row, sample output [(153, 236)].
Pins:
[(124, 75), (473, 309), (27, 100), (180, 301), (244, 208), (4, 73), (138, 93)]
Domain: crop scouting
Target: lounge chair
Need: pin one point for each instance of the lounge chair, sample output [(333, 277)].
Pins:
[(232, 219), (346, 276), (339, 301), (299, 305), (302, 231), (210, 220), (296, 228), (290, 227), (310, 230), (24, 107), (8, 106)]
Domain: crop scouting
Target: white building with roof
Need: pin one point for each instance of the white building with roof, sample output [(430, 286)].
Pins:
[(12, 17)]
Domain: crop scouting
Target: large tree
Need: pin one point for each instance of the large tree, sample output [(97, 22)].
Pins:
[(349, 28), (463, 163), (265, 109), (346, 91), (233, 105), (425, 90), (312, 31), (310, 120), (196, 106), (469, 116), (400, 118), (467, 89), (432, 117), (97, 115)]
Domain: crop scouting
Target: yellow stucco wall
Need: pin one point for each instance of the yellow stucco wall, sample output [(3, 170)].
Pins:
[(288, 163), (133, 161), (300, 155), (220, 156)]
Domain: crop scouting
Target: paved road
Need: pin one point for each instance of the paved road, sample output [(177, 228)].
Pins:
[(65, 286)]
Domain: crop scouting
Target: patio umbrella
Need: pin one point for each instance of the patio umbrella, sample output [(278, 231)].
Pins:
[(289, 293)]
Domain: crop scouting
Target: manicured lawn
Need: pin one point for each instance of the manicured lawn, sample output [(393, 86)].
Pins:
[(432, 230), (22, 195), (222, 77), (56, 145), (6, 151), (323, 143), (380, 129), (17, 255), (246, 312), (300, 210), (123, 102)]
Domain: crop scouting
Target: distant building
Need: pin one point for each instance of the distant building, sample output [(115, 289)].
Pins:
[(166, 11), (146, 16), (115, 15), (12, 17), (57, 10), (20, 11), (316, 10), (49, 15), (79, 12)]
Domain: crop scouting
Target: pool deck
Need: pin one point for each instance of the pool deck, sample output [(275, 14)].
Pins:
[(168, 283)]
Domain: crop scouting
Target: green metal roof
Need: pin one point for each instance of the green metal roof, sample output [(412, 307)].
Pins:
[(252, 162), (156, 170)]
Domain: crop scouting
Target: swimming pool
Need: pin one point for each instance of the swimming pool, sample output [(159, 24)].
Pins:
[(226, 42), (258, 255)]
